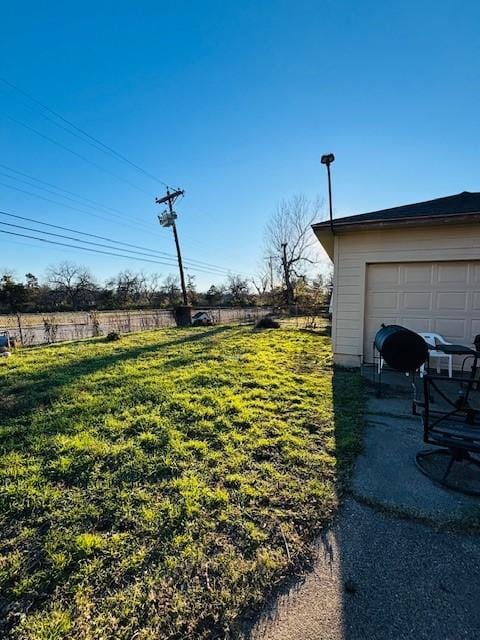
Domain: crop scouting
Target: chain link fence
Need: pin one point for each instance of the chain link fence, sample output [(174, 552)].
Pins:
[(45, 328)]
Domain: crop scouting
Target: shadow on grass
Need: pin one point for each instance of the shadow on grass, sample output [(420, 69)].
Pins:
[(39, 388), (348, 408)]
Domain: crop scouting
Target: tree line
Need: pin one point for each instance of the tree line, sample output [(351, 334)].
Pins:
[(288, 277), (71, 287)]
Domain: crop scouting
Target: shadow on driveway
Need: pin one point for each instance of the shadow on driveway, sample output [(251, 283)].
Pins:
[(376, 576)]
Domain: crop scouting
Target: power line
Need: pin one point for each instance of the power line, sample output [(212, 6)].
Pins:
[(36, 195), (97, 251), (72, 193), (72, 246), (125, 217), (75, 153), (89, 202), (97, 244), (125, 220), (84, 137), (213, 269), (105, 147), (35, 186), (62, 204)]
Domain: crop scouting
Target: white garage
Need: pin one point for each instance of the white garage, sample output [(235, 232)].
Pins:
[(417, 265)]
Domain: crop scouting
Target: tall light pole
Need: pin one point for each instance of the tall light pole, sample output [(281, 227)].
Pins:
[(327, 160)]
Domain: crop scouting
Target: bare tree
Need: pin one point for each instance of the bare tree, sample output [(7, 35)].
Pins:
[(262, 282), (129, 287), (152, 286), (290, 239), (73, 284), (171, 290)]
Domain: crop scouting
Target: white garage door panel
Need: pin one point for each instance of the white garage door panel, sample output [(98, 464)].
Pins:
[(418, 273), (441, 297), (452, 300)]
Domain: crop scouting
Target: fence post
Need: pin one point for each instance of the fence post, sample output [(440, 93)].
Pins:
[(19, 322)]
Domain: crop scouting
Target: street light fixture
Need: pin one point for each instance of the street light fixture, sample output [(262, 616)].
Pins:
[(327, 160)]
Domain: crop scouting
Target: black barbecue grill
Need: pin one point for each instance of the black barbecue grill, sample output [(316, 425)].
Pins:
[(401, 349)]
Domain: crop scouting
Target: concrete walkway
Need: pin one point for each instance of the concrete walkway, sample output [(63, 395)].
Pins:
[(377, 576)]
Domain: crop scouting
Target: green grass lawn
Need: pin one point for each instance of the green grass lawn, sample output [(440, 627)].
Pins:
[(158, 487)]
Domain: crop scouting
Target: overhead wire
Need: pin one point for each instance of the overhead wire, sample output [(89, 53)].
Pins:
[(75, 153), (72, 193), (97, 251), (139, 223), (63, 204), (53, 192), (97, 244), (213, 269), (93, 139), (97, 141), (225, 271), (71, 246)]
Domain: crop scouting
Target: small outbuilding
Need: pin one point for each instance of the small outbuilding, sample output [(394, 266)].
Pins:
[(417, 265)]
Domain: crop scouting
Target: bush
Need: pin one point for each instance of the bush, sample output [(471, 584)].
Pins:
[(112, 336), (267, 323)]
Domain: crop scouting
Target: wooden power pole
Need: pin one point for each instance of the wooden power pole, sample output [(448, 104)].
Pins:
[(167, 219)]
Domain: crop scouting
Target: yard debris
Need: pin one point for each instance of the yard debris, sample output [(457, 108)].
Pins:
[(267, 323), (112, 336)]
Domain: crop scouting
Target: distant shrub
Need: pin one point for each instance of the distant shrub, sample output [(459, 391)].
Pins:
[(112, 336), (267, 323)]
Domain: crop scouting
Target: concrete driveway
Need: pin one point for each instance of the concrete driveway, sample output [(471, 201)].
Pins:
[(390, 567)]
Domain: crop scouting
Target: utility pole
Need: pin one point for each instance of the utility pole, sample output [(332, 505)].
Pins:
[(167, 219), (287, 275)]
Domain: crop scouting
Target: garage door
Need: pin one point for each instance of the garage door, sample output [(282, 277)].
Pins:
[(442, 297)]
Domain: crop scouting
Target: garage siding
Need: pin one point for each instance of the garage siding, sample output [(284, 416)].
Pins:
[(354, 251)]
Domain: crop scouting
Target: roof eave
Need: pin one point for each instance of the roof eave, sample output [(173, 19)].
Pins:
[(324, 233), (338, 225)]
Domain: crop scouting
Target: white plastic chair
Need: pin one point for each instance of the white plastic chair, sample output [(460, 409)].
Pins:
[(433, 339)]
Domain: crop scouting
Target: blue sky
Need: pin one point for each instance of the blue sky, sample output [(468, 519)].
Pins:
[(235, 102)]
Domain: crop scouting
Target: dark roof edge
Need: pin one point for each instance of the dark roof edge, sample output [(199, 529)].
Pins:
[(400, 221)]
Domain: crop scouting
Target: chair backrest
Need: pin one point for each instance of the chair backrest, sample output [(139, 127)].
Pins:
[(433, 338), (454, 419)]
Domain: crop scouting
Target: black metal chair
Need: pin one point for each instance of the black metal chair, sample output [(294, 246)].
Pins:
[(451, 420)]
